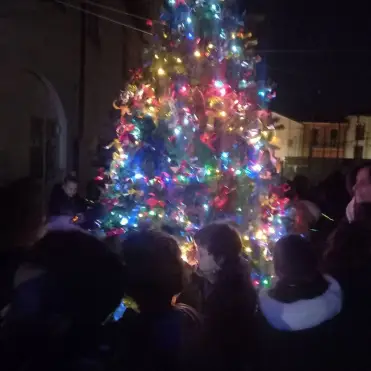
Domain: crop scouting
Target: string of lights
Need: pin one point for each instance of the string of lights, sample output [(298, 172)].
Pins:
[(69, 5)]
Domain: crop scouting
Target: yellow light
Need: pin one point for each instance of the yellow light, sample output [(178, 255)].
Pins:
[(241, 128), (248, 250), (210, 46), (233, 35), (161, 71), (140, 215), (165, 60), (156, 56), (259, 235), (179, 60), (223, 113), (197, 54), (246, 238)]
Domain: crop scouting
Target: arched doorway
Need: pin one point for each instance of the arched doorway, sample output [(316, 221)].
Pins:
[(50, 143)]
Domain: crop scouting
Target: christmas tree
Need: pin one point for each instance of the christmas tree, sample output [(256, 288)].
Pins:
[(193, 137)]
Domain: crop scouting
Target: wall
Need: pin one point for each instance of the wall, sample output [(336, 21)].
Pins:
[(351, 139), (44, 37), (325, 145), (289, 140)]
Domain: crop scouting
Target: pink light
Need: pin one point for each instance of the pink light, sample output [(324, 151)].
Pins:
[(183, 89), (222, 92)]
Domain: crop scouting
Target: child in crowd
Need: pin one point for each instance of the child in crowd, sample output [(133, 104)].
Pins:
[(160, 336), (222, 291), (299, 316)]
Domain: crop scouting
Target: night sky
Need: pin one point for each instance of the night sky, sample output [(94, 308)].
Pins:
[(318, 54)]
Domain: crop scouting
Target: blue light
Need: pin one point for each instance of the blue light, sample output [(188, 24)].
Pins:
[(189, 20), (261, 93), (225, 155), (138, 176), (213, 8), (190, 36), (177, 131), (218, 84), (234, 49)]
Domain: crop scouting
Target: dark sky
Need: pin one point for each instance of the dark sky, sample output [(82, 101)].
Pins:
[(319, 54)]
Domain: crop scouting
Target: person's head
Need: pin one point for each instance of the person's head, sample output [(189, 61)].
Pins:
[(89, 279), (154, 268), (22, 213), (350, 247), (301, 185), (295, 260), (217, 244), (363, 177), (70, 184)]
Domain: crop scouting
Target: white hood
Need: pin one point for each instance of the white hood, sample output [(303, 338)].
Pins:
[(302, 314)]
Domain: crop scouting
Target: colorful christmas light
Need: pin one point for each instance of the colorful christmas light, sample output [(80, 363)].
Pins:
[(193, 137)]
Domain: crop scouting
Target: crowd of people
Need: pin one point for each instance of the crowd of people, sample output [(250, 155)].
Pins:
[(61, 289)]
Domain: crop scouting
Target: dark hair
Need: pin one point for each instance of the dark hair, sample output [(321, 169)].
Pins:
[(221, 240), (351, 178), (22, 212), (154, 267), (89, 278), (297, 267), (301, 186), (70, 179), (295, 259), (350, 247)]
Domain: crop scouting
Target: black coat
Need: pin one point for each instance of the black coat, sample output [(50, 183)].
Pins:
[(61, 204)]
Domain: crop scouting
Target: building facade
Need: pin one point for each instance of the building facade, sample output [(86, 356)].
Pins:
[(60, 71), (289, 139), (358, 138), (324, 139)]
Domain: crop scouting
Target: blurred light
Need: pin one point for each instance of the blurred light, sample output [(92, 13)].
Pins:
[(161, 71), (197, 54), (124, 221)]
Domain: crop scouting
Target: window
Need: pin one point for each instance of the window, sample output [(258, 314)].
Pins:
[(314, 139), (333, 137), (358, 152), (360, 132), (43, 147)]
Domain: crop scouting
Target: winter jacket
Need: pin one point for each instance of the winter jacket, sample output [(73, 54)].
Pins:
[(162, 340), (227, 307), (302, 335), (61, 204)]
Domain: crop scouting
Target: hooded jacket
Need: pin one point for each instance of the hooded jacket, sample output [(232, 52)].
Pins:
[(304, 334)]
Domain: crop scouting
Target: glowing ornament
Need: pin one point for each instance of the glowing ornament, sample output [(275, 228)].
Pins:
[(124, 221), (161, 72)]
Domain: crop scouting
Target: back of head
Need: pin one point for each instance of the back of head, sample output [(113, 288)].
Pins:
[(295, 260), (22, 213), (154, 267), (89, 275), (221, 240), (350, 248), (301, 185)]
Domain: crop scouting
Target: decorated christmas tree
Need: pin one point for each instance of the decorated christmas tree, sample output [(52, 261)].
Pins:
[(193, 136)]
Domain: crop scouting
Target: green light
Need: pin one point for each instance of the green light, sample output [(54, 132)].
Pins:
[(238, 172), (152, 213)]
